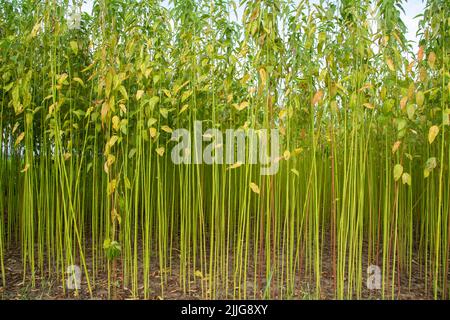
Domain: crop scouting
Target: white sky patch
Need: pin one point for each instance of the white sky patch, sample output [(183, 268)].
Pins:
[(412, 9)]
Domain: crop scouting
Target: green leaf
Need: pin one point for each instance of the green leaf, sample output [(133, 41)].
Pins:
[(153, 101), (406, 178), (398, 170), (186, 95), (106, 243), (410, 110), (420, 98), (123, 91), (429, 166), (74, 46)]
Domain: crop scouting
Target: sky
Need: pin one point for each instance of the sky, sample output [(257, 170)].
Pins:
[(412, 9)]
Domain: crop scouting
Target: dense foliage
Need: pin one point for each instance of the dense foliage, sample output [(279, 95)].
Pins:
[(89, 101)]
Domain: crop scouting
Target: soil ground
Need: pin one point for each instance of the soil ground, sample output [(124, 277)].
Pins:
[(49, 286)]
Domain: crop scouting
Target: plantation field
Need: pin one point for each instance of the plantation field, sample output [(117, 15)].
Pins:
[(215, 149)]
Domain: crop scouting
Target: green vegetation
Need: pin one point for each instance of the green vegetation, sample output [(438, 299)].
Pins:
[(87, 113)]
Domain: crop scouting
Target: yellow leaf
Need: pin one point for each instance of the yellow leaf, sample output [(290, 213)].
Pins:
[(16, 125), (116, 123), (104, 110), (396, 146), (164, 112), (286, 155), (317, 97), (282, 113), (334, 106), (406, 178), (139, 94), (368, 105), (74, 46), (116, 216), (183, 108), (127, 183), (123, 91), (263, 75), (390, 64), (25, 168), (166, 129), (186, 95), (398, 170), (241, 106), (403, 102), (111, 186), (245, 78), (113, 140), (431, 59), (236, 165), (109, 161), (20, 138), (35, 29), (420, 98), (198, 273), (76, 79), (254, 187), (423, 74), (62, 78), (432, 133), (420, 54), (151, 122), (153, 101), (152, 132), (365, 86), (160, 151), (295, 171), (297, 151)]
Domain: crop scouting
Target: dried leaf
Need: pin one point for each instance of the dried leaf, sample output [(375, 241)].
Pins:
[(396, 146), (317, 97), (420, 54), (403, 102)]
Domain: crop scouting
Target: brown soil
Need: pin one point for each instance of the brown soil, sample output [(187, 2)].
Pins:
[(49, 286)]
